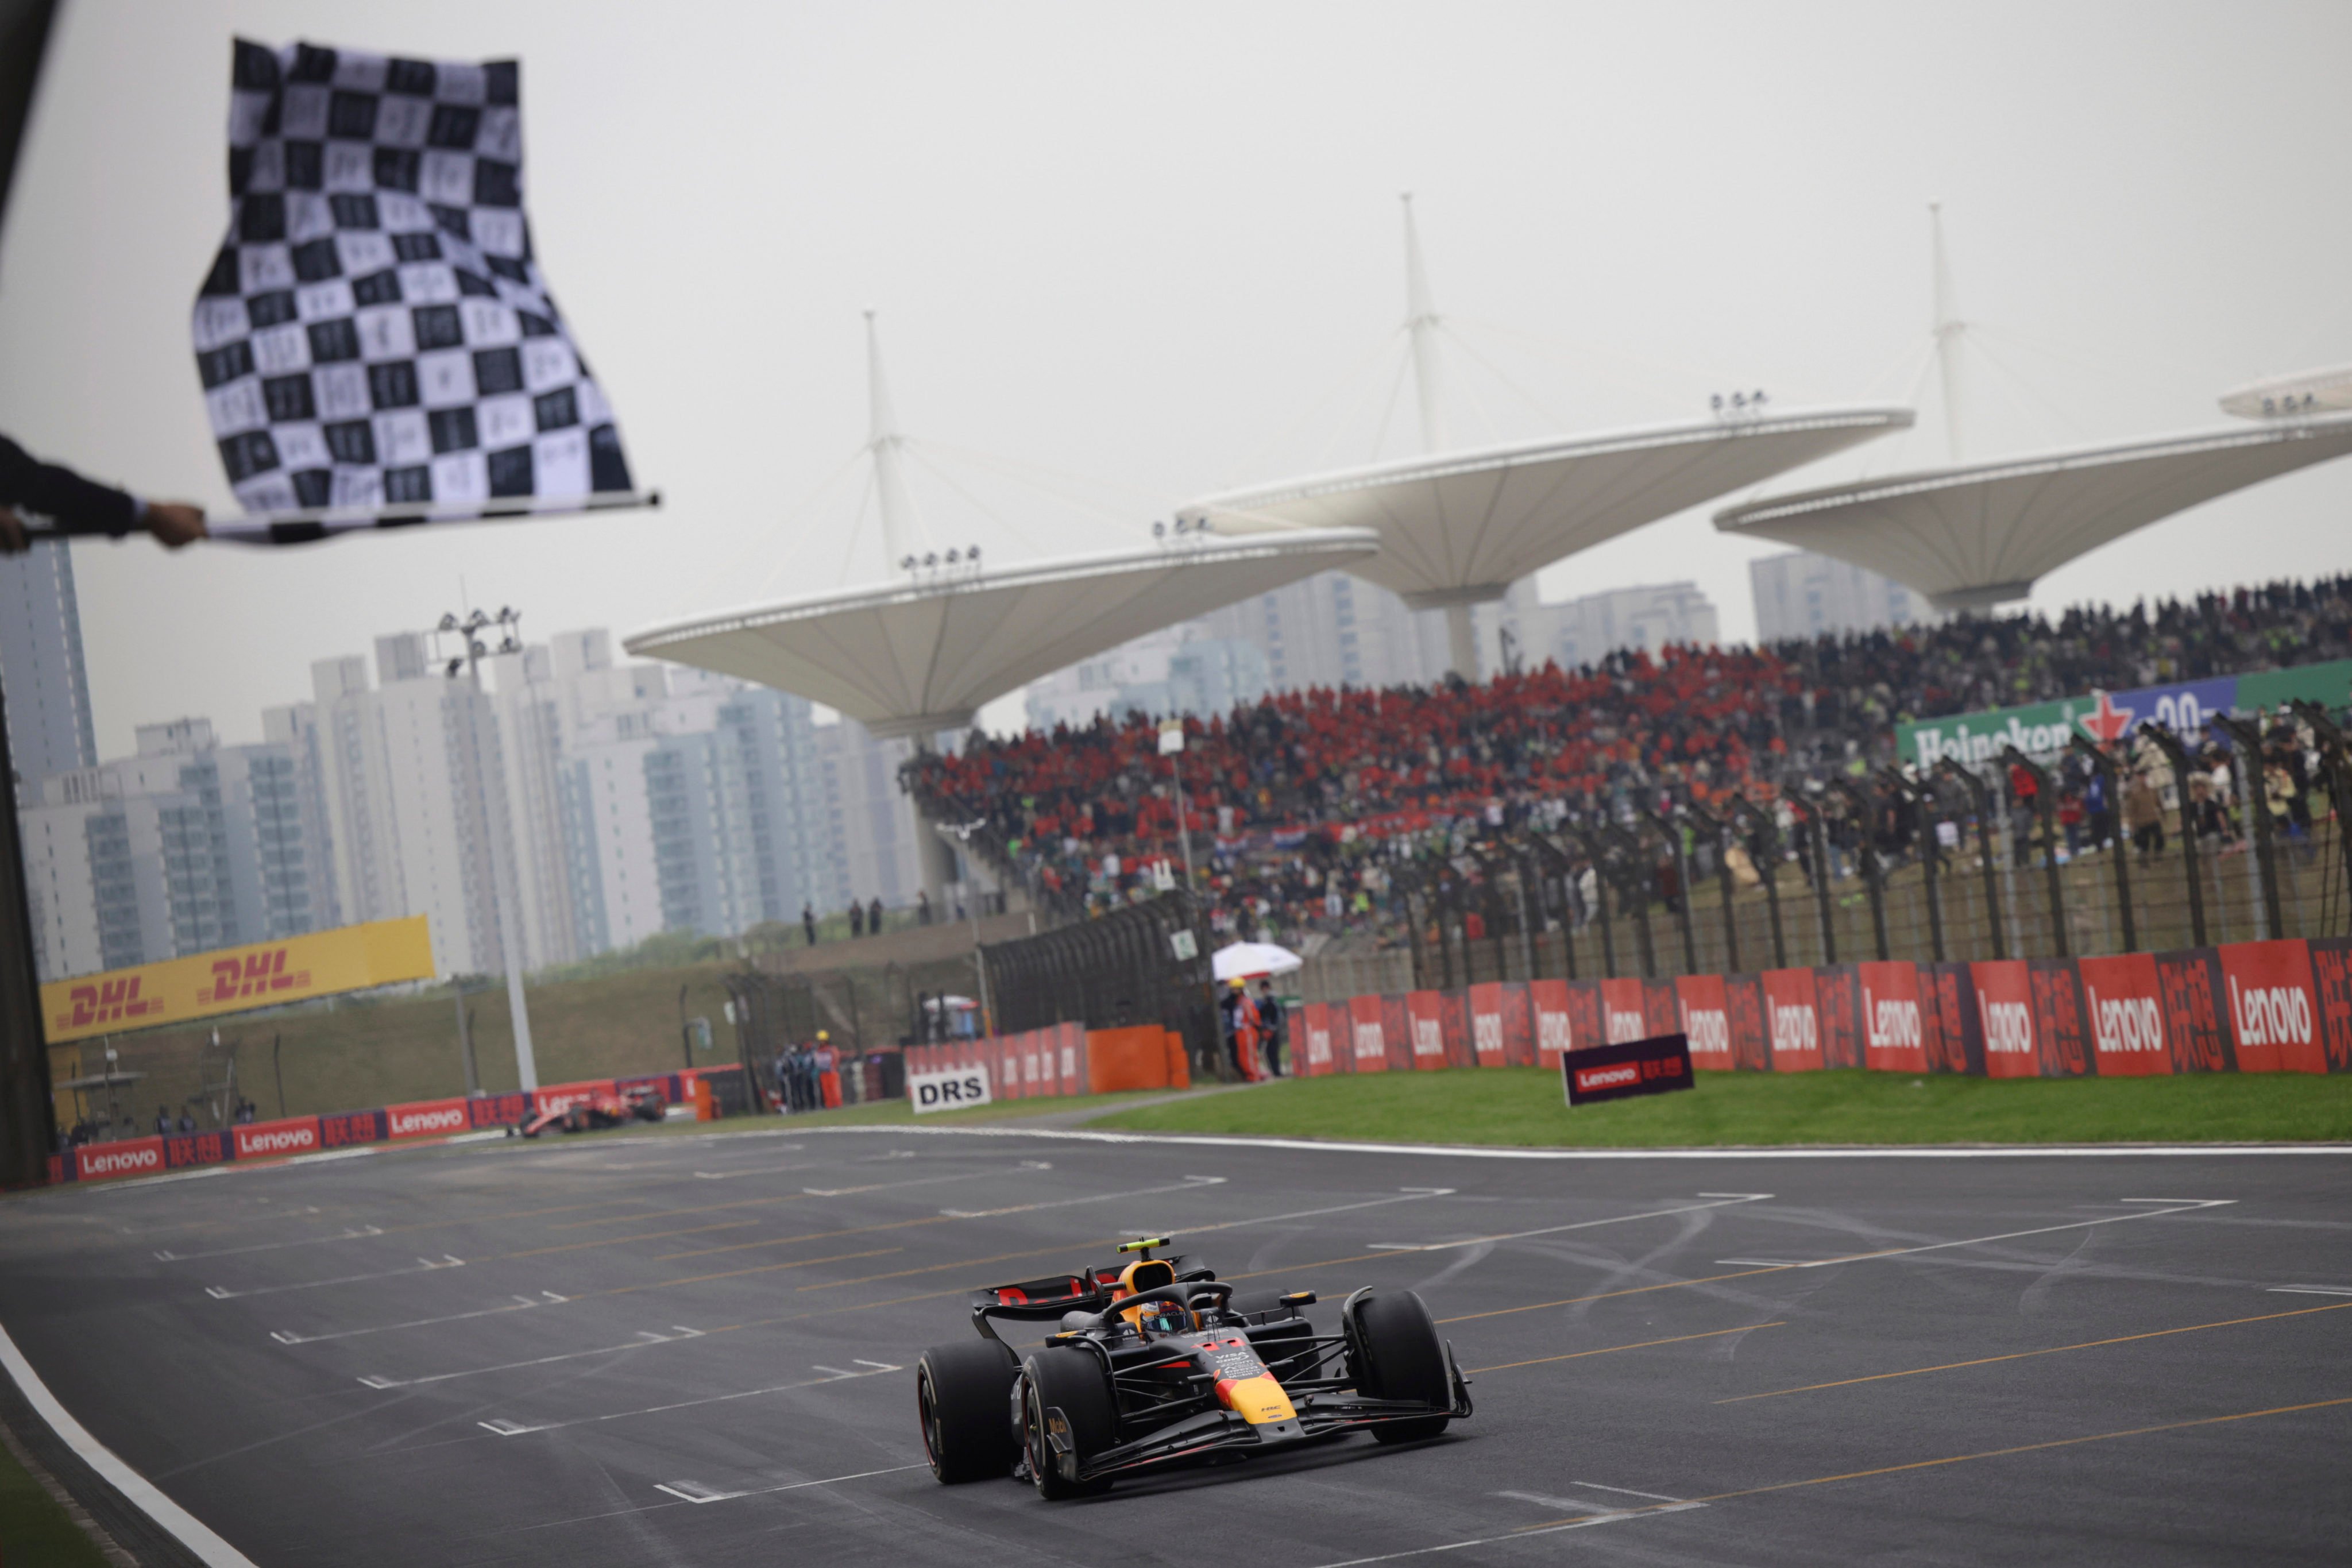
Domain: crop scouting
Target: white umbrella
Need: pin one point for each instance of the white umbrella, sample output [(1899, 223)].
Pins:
[(1247, 960), (954, 1004)]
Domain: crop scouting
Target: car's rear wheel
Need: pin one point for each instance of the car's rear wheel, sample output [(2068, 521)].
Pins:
[(1395, 1353), (960, 1399), (1073, 1383)]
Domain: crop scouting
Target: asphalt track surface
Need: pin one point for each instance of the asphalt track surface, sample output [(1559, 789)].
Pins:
[(700, 1351)]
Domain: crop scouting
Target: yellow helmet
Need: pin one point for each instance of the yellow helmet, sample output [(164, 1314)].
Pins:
[(823, 1036)]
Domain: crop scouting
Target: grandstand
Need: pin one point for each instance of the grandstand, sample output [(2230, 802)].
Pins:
[(1327, 806)]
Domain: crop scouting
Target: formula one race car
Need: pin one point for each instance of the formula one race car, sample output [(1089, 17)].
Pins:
[(1159, 1362), (643, 1103)]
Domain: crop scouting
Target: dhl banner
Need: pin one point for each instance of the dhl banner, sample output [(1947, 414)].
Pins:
[(235, 979)]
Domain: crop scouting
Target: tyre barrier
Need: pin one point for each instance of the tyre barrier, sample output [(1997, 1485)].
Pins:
[(292, 1135)]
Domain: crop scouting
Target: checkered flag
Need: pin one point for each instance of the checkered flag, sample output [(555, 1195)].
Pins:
[(376, 343)]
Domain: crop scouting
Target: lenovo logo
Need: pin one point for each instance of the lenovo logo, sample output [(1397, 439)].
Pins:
[(1552, 1035), (447, 1119), (277, 1140), (1623, 1029), (1709, 1030), (1487, 1033), (1318, 1045), (1891, 1023), (1429, 1038), (2008, 1026), (1589, 1078), (1795, 1028), (2271, 1015), (2125, 1024), (122, 1162), (1369, 1042)]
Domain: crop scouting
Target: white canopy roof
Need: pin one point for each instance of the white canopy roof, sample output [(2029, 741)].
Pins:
[(1459, 527), (921, 656), (1979, 534)]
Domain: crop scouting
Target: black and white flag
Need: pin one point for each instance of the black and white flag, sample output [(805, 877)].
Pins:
[(376, 343)]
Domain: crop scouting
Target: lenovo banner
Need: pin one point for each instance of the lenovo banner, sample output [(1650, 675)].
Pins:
[(2126, 1016), (1894, 1032), (2005, 1017), (2274, 1009), (1706, 1020), (1619, 1070), (1792, 1020)]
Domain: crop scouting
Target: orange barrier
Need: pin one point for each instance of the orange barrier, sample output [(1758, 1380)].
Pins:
[(1135, 1058)]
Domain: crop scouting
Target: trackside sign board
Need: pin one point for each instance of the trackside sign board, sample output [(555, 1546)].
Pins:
[(238, 979), (1636, 1067), (954, 1088)]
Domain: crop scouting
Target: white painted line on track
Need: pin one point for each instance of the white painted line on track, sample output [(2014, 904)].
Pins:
[(354, 1234), (1611, 1518), (1186, 1183), (1726, 1201), (1770, 1262), (424, 1265), (2187, 1205), (2310, 1290), (1477, 1151), (505, 1429), (544, 1299), (912, 1182), (1628, 1491), (696, 1492), (646, 1339), (1560, 1504), (141, 1493)]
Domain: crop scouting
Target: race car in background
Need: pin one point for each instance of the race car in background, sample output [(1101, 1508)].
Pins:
[(1159, 1363), (642, 1103)]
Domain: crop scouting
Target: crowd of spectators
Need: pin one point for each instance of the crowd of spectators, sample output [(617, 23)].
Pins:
[(1312, 810)]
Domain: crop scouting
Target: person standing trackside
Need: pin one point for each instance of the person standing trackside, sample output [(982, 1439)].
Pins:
[(808, 924), (1273, 1024), (874, 918)]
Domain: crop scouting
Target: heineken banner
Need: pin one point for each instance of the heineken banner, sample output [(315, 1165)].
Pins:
[(2040, 729)]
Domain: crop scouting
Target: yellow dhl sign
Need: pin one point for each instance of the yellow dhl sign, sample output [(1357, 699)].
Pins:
[(237, 979)]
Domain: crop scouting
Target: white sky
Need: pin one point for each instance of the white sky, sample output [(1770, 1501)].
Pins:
[(1141, 244)]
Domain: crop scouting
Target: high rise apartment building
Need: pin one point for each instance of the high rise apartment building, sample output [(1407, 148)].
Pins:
[(41, 670), (1802, 594)]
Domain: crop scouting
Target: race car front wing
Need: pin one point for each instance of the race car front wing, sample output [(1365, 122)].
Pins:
[(1319, 1413)]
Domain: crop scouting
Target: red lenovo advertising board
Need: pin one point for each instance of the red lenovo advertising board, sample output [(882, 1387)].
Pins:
[(1367, 1043), (1705, 1020), (276, 1140), (1624, 1016), (1428, 1026), (2005, 1017), (1894, 1032), (2274, 1008), (2188, 983), (2126, 1016), (1623, 1069), (1743, 1006), (1317, 1027), (132, 1157), (2059, 1027), (429, 1119), (2331, 979), (1792, 1020), (1549, 1000), (1837, 1002)]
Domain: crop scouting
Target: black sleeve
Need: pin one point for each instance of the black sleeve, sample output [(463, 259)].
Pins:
[(76, 504)]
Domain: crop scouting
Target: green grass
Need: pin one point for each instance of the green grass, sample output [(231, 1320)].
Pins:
[(35, 1532), (1522, 1106)]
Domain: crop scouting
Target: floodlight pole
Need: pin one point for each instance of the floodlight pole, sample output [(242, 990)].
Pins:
[(1171, 746), (502, 892)]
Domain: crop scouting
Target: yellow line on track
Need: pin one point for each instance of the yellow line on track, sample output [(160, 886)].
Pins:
[(1968, 1458), (2023, 1355), (1645, 1344)]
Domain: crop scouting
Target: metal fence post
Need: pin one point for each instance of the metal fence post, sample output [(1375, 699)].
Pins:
[(1672, 832), (2113, 774), (1981, 793), (1725, 881), (1872, 873), (2046, 807), (1814, 830), (1763, 831), (2175, 754), (2256, 792)]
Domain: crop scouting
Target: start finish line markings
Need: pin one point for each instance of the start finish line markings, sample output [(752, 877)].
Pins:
[(646, 1339), (696, 1492)]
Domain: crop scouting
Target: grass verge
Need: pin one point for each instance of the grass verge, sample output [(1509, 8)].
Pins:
[(1522, 1106), (35, 1532)]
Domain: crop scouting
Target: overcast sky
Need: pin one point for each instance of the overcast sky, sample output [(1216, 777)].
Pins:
[(1149, 252)]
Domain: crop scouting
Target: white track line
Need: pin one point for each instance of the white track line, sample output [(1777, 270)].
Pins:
[(424, 1265), (544, 1299), (2310, 1290), (1188, 1183), (2186, 1206), (1474, 1152), (1726, 1202), (646, 1339), (505, 1429), (696, 1492), (354, 1233), (1611, 1518), (141, 1493)]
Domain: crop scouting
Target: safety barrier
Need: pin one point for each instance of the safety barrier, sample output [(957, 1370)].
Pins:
[(2256, 1006), (293, 1135)]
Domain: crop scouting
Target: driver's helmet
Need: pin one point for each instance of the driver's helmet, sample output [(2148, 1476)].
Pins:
[(1154, 1318), (1149, 1274)]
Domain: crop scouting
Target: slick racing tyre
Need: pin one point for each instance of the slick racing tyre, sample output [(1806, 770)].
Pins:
[(1278, 1341), (961, 1398), (1073, 1383), (1395, 1353)]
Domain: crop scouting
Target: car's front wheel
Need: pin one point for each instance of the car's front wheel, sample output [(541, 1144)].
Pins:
[(1066, 1409), (1395, 1353), (961, 1392)]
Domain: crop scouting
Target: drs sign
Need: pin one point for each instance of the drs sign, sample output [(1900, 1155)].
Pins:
[(956, 1089), (1636, 1067)]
